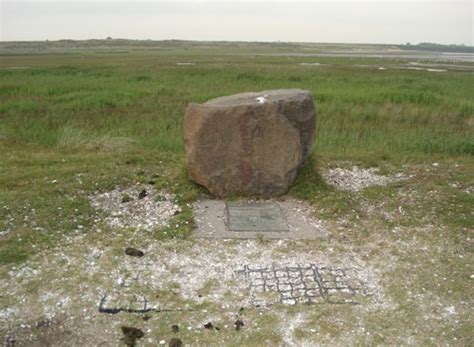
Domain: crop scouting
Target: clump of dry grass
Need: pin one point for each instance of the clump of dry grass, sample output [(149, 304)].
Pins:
[(75, 139)]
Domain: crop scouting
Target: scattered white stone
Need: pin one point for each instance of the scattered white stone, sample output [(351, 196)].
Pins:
[(449, 311), (194, 265), (355, 179), (6, 313), (126, 210)]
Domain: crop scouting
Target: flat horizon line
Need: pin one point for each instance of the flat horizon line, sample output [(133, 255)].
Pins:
[(241, 41)]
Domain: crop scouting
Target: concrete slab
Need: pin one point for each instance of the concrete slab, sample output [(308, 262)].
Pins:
[(211, 221)]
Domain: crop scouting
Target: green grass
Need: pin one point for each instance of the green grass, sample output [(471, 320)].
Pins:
[(362, 112), (111, 116)]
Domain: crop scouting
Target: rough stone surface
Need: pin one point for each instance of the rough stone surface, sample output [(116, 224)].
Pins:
[(250, 143)]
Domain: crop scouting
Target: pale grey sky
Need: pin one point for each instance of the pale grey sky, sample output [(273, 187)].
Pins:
[(441, 21)]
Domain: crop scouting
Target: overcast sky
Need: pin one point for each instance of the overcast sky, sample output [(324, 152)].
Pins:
[(441, 21)]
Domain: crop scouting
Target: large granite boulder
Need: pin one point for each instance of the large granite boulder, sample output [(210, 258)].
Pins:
[(250, 143)]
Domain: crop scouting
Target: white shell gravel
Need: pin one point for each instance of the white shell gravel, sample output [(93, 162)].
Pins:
[(148, 213), (355, 179)]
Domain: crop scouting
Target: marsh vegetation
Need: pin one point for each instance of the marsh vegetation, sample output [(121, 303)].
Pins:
[(83, 121)]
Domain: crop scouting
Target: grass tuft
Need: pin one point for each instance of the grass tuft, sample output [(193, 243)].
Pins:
[(75, 139)]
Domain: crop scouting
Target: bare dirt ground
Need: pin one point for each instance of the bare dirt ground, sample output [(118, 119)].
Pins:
[(348, 288), (63, 291)]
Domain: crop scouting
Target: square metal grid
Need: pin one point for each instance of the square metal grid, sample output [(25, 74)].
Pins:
[(307, 284)]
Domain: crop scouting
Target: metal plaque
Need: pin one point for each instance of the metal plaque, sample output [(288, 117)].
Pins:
[(246, 216)]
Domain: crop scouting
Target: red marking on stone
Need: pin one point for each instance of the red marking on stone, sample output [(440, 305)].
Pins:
[(258, 180), (245, 171), (245, 135)]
